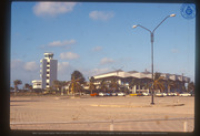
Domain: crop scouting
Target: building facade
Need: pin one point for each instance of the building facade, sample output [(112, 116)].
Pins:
[(124, 79), (48, 72), (37, 84)]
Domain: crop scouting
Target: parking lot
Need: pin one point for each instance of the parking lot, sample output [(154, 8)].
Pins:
[(110, 113)]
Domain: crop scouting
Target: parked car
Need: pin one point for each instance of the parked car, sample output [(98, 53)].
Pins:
[(102, 94), (158, 94), (121, 94), (133, 94), (114, 94), (145, 94), (161, 94), (169, 94), (164, 94), (139, 94), (93, 94), (173, 94), (79, 94), (185, 94), (107, 94)]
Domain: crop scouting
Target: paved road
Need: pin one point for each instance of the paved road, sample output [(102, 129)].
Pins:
[(134, 114)]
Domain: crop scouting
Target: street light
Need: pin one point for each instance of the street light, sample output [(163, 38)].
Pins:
[(152, 40), (172, 15), (134, 26)]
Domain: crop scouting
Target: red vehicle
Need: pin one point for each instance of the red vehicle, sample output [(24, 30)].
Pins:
[(93, 94)]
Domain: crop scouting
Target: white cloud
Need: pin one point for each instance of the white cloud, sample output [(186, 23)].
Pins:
[(101, 15), (24, 71), (31, 66), (69, 55), (106, 61), (62, 66), (97, 48), (63, 43), (53, 8)]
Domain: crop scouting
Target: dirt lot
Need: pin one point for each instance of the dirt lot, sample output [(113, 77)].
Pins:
[(133, 114)]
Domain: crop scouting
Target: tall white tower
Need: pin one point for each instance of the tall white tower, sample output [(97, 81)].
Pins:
[(48, 71)]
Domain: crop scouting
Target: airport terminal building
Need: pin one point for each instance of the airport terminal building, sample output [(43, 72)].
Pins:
[(124, 78)]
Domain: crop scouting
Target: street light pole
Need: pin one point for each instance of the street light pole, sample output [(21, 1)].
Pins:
[(152, 91), (152, 40)]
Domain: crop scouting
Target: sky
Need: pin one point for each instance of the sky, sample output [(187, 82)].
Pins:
[(95, 38)]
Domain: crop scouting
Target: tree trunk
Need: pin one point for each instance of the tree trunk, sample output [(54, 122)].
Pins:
[(61, 91), (139, 89), (16, 88), (168, 89), (72, 89)]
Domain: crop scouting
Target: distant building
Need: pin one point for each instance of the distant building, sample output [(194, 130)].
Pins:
[(37, 84), (48, 72), (124, 79)]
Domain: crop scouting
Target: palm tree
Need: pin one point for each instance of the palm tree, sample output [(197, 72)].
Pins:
[(177, 87), (11, 89), (59, 85), (49, 90), (78, 76), (56, 84), (75, 85), (91, 84), (158, 83), (103, 85), (147, 85), (26, 86), (30, 88), (135, 82), (191, 87), (114, 84), (132, 83), (62, 84), (16, 83), (76, 80), (139, 83), (169, 83)]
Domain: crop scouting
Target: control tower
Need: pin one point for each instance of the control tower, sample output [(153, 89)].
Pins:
[(48, 70)]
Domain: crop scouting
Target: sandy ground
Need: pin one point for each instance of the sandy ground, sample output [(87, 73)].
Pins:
[(133, 114)]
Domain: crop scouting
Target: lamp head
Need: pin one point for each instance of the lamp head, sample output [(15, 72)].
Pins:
[(134, 26), (172, 15)]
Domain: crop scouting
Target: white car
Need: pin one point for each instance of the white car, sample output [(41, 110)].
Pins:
[(145, 94), (114, 94), (161, 94), (164, 94), (158, 94), (102, 94), (121, 94), (173, 94), (185, 94)]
